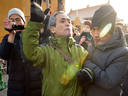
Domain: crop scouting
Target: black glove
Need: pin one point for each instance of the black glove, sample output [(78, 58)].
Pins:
[(44, 37), (37, 15), (84, 77), (45, 22)]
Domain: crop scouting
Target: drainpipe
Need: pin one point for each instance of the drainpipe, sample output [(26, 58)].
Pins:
[(47, 5)]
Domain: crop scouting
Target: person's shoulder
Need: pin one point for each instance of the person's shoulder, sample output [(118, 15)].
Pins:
[(6, 36), (125, 50), (120, 52), (122, 49), (79, 46)]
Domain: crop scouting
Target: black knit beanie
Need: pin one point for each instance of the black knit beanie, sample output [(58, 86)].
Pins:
[(103, 16)]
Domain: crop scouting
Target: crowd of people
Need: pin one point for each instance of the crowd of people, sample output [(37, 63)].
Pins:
[(50, 58)]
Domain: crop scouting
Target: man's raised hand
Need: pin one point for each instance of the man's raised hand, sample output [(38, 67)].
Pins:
[(37, 15)]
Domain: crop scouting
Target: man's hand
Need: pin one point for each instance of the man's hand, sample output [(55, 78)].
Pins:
[(8, 25), (84, 77), (46, 31), (82, 40), (37, 15)]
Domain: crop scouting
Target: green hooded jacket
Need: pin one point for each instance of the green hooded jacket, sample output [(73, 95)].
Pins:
[(59, 77)]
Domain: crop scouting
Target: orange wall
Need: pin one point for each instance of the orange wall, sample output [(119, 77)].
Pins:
[(24, 5), (6, 5), (26, 9), (77, 22), (54, 5)]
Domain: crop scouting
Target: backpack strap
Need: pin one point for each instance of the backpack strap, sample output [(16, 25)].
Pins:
[(67, 58)]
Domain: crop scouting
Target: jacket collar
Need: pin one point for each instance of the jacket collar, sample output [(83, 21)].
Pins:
[(117, 40), (61, 41)]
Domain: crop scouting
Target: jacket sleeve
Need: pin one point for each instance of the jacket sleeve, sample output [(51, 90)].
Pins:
[(6, 48), (112, 75), (125, 85), (30, 41)]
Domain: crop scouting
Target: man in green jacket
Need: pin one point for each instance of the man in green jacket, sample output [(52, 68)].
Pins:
[(59, 77)]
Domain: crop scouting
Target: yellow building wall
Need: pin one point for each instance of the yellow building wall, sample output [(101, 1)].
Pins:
[(77, 22), (6, 5), (44, 6), (24, 5), (54, 5), (26, 9)]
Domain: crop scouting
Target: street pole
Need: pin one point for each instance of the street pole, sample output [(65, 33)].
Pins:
[(47, 5)]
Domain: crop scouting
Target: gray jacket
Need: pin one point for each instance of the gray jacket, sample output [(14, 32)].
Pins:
[(108, 62)]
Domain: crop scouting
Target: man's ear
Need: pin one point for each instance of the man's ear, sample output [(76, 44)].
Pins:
[(53, 29)]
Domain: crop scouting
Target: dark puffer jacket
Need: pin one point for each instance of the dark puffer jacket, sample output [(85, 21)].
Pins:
[(23, 79), (33, 75), (108, 62)]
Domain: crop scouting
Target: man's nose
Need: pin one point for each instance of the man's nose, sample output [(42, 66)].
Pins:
[(67, 23), (85, 27), (15, 21), (96, 33)]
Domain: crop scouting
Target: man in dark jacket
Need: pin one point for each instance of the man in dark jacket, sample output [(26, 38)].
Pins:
[(23, 79), (108, 54), (84, 38)]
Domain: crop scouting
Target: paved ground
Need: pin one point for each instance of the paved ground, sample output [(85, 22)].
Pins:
[(4, 92)]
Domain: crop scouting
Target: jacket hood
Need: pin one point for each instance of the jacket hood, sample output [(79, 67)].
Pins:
[(117, 40), (61, 41)]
